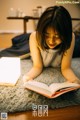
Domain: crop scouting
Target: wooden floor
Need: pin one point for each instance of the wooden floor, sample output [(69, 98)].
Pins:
[(5, 39), (68, 113)]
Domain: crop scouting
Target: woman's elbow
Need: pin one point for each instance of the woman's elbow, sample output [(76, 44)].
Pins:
[(38, 68)]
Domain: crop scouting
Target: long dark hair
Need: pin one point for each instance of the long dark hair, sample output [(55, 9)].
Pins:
[(58, 18)]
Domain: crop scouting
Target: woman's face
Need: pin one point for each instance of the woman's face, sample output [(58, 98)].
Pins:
[(52, 38)]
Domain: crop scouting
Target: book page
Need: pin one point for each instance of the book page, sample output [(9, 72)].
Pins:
[(58, 93), (9, 70), (38, 84), (38, 87), (58, 86)]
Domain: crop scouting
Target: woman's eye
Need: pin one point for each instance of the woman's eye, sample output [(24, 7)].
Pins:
[(47, 36), (56, 36)]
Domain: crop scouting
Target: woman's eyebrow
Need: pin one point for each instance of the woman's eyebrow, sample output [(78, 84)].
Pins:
[(46, 33)]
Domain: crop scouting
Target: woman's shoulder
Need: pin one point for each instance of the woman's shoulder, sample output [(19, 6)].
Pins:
[(33, 37), (33, 34), (33, 40), (73, 36), (73, 39)]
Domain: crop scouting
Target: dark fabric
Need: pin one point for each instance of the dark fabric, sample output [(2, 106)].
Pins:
[(76, 52), (20, 46)]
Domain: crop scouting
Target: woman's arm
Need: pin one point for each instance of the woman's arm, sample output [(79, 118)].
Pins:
[(36, 58), (66, 64)]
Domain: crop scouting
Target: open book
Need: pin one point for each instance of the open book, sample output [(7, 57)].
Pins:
[(52, 91), (9, 70)]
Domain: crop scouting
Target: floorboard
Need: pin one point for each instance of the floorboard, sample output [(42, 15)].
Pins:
[(67, 113)]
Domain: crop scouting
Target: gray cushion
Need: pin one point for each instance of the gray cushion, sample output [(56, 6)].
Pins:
[(15, 99)]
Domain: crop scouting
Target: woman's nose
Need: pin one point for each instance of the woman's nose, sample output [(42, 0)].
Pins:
[(52, 40)]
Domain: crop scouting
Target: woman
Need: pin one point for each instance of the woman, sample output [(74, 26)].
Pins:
[(52, 44)]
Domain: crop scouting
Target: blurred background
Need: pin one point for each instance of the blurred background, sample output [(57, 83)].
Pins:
[(27, 8), (21, 8)]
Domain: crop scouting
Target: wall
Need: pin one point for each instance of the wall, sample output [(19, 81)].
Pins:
[(27, 6)]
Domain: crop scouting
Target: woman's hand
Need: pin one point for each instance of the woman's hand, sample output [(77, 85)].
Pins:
[(76, 81), (26, 78)]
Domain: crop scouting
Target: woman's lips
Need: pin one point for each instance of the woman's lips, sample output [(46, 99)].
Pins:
[(52, 45)]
